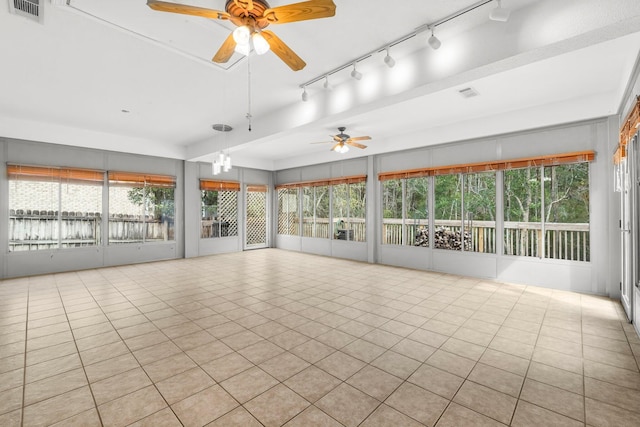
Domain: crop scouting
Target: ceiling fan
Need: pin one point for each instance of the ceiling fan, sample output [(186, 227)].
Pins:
[(343, 141), (252, 17)]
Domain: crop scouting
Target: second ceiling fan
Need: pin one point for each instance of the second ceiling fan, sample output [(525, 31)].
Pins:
[(343, 141), (252, 17)]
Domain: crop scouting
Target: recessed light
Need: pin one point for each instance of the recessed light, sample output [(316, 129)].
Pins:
[(221, 127)]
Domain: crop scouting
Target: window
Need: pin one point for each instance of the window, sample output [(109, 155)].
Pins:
[(141, 208), (315, 211), (288, 217), (550, 220), (448, 212), (480, 212), (405, 211), (53, 208), (349, 211), (219, 209)]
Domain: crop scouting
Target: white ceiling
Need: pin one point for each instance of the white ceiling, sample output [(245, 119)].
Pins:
[(67, 80)]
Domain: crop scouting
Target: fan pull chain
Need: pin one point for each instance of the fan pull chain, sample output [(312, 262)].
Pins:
[(249, 91)]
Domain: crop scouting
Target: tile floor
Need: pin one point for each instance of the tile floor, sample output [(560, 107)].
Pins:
[(276, 338)]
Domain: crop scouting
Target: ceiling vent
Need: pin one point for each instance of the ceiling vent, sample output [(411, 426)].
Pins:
[(27, 8), (468, 92)]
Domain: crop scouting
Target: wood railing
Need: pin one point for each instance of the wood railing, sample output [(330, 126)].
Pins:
[(562, 240)]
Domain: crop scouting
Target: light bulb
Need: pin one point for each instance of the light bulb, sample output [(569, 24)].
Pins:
[(216, 168), (434, 42), (227, 164), (343, 149), (260, 44), (221, 158), (243, 49), (241, 35)]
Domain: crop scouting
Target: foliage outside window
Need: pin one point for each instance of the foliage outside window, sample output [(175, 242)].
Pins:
[(349, 211), (465, 206), (315, 211), (52, 208), (550, 220), (288, 217), (219, 209), (405, 211), (141, 208)]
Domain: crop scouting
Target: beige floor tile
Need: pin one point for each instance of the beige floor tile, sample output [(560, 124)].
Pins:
[(463, 348), (554, 399), (163, 418), (528, 415), (10, 400), (99, 354), (99, 340), (312, 329), (414, 349), (312, 383), (363, 350), (248, 384), (261, 351), (600, 414), (226, 366), (269, 329), (512, 347), (119, 385), (284, 366), (312, 351), (374, 382), (241, 339), (556, 377), (48, 353), (612, 394), (146, 340), (58, 408), (204, 406), (625, 361), (239, 417), (417, 403), (11, 363), (110, 367), (11, 379), (486, 401), (289, 339), (497, 379), (452, 363), (437, 381), (396, 364), (558, 360), (53, 386), (313, 417), (398, 327), (340, 365), (156, 352), (612, 374), (382, 338), (347, 405), (336, 339), (457, 416), (183, 385), (276, 406), (386, 416), (470, 335), (131, 407), (191, 341), (429, 338)]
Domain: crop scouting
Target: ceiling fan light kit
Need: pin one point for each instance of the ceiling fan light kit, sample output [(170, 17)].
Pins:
[(252, 17), (342, 141)]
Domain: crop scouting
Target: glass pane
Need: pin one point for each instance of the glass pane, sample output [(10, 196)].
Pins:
[(308, 208), (522, 204), (33, 215), (566, 204), (392, 212), (219, 214), (321, 201), (126, 214), (448, 212), (208, 214), (160, 214), (81, 206), (288, 211), (480, 212), (416, 202), (358, 211), (341, 211)]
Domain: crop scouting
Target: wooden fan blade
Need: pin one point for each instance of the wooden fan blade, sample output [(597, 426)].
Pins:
[(283, 51), (335, 146), (360, 138), (226, 50), (355, 144), (302, 11), (164, 6), (336, 138)]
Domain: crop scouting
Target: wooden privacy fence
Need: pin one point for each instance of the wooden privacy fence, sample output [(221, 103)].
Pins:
[(324, 227), (40, 229)]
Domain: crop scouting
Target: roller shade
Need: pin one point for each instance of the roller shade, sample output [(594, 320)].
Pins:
[(332, 181), (132, 179), (257, 188), (40, 173), (210, 185)]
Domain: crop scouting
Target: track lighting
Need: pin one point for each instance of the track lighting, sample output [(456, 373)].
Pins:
[(355, 73), (389, 60), (305, 95), (260, 44), (434, 42), (499, 13), (326, 84)]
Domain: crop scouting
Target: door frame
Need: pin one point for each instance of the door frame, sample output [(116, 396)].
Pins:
[(245, 234)]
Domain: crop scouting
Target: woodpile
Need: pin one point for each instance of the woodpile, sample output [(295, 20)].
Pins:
[(444, 239)]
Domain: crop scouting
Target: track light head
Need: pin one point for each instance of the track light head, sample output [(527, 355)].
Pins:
[(434, 42), (499, 14), (305, 95), (355, 73), (326, 84), (389, 60)]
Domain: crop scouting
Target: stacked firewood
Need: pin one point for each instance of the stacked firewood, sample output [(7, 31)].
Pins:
[(444, 239)]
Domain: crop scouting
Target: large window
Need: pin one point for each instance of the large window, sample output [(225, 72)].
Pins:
[(54, 207), (405, 211), (141, 208), (349, 211), (315, 211), (219, 208), (550, 220), (479, 212), (288, 217), (448, 212)]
